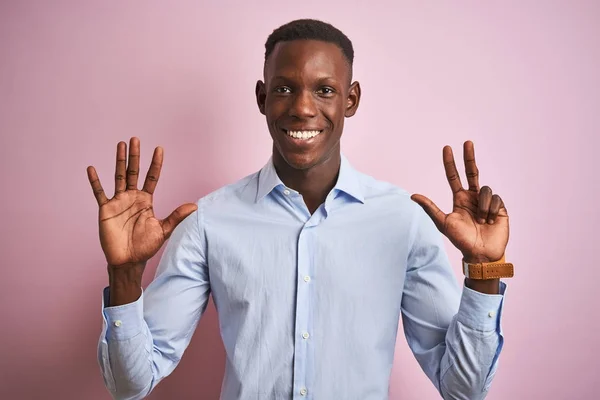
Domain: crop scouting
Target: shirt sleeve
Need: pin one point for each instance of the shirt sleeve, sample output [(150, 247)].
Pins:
[(142, 342), (455, 336)]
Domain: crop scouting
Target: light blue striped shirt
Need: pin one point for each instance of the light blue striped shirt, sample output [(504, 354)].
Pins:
[(308, 305)]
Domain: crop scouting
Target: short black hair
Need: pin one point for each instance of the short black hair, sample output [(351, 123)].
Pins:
[(310, 29)]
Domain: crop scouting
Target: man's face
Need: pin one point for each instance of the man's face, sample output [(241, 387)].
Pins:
[(305, 97)]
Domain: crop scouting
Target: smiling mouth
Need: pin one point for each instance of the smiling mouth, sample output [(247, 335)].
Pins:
[(303, 135)]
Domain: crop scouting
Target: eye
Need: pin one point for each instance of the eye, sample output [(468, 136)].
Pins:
[(283, 90), (326, 91)]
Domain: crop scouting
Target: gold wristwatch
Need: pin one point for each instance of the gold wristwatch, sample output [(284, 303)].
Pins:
[(489, 270)]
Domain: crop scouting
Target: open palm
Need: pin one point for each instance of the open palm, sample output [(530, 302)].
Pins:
[(129, 231), (478, 223)]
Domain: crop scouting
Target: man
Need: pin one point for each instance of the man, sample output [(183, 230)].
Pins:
[(310, 263)]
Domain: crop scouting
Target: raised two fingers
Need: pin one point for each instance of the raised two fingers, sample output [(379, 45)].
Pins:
[(471, 169), (489, 205)]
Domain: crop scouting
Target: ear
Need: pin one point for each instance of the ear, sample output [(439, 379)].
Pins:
[(353, 100), (261, 96)]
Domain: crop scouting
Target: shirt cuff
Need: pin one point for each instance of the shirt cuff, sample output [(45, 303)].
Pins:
[(481, 311), (125, 321)]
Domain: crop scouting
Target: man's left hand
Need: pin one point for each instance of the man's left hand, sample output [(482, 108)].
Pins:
[(478, 223)]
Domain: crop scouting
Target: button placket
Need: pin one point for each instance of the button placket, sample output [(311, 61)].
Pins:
[(303, 303)]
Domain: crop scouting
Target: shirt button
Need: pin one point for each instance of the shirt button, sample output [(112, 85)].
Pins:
[(286, 192), (307, 278), (118, 323), (305, 335), (491, 314), (303, 392)]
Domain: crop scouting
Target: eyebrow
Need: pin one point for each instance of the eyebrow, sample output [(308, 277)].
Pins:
[(320, 79)]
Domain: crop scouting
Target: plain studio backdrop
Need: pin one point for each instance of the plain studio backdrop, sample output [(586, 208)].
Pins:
[(518, 78)]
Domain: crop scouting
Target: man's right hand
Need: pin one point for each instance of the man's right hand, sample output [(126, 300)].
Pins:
[(130, 234)]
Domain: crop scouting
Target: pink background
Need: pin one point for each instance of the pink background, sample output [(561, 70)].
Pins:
[(521, 79)]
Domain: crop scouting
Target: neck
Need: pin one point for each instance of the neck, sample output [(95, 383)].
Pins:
[(314, 183)]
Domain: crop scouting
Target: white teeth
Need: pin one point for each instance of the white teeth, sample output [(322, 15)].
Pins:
[(303, 134)]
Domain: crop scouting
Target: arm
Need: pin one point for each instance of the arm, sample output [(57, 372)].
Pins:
[(142, 342), (458, 352), (455, 338), (144, 335)]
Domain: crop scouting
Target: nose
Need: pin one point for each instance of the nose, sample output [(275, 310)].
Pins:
[(303, 105)]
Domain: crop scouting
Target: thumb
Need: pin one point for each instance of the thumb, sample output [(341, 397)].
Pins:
[(431, 209), (170, 223)]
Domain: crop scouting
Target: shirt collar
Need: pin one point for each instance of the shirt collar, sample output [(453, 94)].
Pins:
[(347, 182), (267, 180)]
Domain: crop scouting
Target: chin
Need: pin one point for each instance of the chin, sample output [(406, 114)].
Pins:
[(299, 160)]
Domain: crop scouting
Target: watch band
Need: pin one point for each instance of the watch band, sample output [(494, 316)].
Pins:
[(490, 270)]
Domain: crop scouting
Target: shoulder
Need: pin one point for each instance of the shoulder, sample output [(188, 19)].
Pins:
[(243, 191), (379, 192), (403, 212)]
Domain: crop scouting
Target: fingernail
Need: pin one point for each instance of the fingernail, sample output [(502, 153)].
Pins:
[(481, 221), (491, 222)]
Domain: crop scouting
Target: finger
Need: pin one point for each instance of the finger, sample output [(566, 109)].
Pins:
[(470, 166), (451, 171), (96, 186), (503, 211), (484, 201), (133, 166), (437, 215), (154, 171), (120, 167), (495, 205), (170, 223)]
